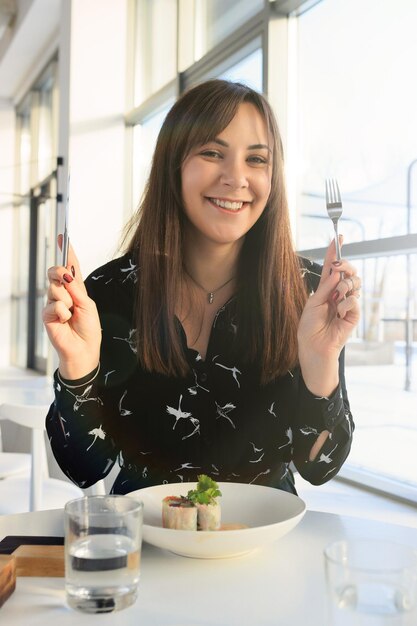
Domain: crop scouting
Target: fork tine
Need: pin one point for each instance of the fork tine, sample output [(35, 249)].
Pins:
[(337, 191), (332, 185), (332, 191), (329, 191)]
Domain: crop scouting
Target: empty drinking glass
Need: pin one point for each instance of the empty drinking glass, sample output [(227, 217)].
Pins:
[(371, 583)]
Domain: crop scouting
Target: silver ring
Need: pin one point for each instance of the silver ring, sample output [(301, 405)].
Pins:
[(359, 283), (352, 286)]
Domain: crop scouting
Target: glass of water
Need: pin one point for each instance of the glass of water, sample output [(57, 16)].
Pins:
[(371, 583), (103, 538)]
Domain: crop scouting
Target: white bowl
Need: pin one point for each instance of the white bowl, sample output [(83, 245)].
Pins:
[(269, 513)]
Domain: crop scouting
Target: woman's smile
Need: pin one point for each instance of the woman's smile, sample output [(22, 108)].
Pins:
[(228, 205)]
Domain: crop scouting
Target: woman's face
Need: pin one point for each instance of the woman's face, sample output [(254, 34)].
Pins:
[(226, 182)]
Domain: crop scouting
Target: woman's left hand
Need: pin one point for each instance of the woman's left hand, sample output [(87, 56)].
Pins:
[(328, 319)]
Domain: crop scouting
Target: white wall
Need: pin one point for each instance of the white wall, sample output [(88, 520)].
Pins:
[(93, 42), (7, 138), (96, 130)]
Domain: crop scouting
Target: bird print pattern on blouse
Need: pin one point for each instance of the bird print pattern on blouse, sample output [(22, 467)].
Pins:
[(179, 414), (218, 420), (96, 432), (84, 397)]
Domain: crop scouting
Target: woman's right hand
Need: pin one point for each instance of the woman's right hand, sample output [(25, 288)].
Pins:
[(71, 320)]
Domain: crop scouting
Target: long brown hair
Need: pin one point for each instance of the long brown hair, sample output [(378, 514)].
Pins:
[(271, 292)]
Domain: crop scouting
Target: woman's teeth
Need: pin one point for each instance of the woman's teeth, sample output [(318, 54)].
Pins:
[(225, 204)]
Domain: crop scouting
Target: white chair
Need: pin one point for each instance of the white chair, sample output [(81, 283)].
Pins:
[(39, 491), (17, 463), (14, 464)]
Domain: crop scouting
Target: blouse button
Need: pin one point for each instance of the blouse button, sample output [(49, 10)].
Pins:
[(203, 377), (330, 407)]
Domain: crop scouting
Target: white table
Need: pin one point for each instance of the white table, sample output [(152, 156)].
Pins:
[(282, 585)]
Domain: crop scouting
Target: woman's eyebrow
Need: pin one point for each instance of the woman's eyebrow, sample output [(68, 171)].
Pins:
[(255, 146), (259, 146)]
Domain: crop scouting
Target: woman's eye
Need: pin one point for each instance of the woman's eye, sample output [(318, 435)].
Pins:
[(258, 160), (213, 154)]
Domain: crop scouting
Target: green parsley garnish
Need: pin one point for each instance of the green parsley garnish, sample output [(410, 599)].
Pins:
[(206, 492)]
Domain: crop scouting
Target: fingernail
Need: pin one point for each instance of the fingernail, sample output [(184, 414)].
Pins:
[(68, 278), (336, 263), (73, 270)]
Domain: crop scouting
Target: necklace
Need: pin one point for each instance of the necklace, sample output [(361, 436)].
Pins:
[(210, 294)]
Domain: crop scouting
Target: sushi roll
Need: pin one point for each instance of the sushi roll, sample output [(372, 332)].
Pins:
[(179, 513), (198, 510), (208, 516)]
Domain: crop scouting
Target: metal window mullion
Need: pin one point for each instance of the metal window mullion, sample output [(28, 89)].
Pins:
[(55, 108), (33, 232), (49, 364), (34, 137), (14, 351), (295, 7), (265, 55), (186, 34), (129, 104), (151, 105)]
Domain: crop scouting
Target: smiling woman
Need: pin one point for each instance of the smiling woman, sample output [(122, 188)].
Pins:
[(209, 346)]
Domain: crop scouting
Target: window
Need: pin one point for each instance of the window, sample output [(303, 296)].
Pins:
[(356, 112), (347, 114), (248, 71), (215, 20), (144, 139), (156, 46), (356, 122)]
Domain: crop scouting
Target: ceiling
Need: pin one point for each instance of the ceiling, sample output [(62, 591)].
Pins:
[(35, 27)]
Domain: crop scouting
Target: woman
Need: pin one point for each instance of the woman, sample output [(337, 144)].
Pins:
[(209, 347)]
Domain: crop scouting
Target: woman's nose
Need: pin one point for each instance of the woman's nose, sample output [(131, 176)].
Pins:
[(234, 175)]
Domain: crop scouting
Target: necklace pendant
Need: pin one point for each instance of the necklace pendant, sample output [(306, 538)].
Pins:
[(210, 296)]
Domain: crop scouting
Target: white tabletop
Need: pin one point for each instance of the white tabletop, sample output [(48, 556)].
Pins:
[(282, 585)]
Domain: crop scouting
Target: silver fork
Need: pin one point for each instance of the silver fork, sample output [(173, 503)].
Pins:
[(334, 208)]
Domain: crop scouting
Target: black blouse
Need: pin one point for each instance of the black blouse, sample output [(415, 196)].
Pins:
[(218, 420)]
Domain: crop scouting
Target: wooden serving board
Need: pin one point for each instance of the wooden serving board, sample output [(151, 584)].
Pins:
[(7, 577), (39, 560)]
